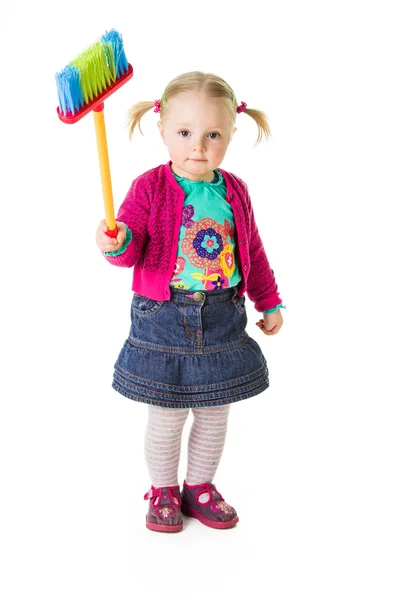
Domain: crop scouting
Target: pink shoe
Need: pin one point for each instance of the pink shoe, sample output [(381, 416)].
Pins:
[(164, 509), (214, 512)]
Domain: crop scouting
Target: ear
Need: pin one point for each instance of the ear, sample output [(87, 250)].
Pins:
[(161, 129), (233, 131)]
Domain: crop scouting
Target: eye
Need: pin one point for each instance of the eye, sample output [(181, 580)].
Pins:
[(183, 133), (217, 135)]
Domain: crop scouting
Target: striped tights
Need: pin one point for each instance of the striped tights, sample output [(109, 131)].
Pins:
[(163, 443)]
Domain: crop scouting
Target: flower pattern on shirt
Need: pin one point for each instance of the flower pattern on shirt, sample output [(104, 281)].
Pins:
[(208, 243), (202, 256), (229, 230), (227, 260), (187, 214), (179, 266), (206, 247), (215, 279), (207, 237)]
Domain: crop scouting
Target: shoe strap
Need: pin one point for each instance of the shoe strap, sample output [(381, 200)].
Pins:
[(158, 493), (206, 488)]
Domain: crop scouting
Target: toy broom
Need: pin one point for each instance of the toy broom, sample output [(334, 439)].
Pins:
[(83, 85)]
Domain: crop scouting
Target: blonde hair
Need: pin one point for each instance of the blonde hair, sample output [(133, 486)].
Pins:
[(210, 84)]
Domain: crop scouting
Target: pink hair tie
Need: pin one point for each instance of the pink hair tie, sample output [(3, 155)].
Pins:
[(242, 107), (157, 104)]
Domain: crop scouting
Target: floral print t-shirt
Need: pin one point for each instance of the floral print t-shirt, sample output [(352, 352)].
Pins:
[(206, 256)]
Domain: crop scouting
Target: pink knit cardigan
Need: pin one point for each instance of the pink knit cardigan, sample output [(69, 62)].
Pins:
[(152, 210)]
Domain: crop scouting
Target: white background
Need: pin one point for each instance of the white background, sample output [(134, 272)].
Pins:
[(311, 465)]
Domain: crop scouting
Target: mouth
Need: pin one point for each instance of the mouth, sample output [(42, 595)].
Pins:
[(198, 159)]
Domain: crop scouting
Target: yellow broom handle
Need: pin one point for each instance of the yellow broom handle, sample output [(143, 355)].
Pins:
[(104, 167)]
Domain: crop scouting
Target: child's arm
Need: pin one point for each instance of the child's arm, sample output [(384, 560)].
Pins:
[(261, 285), (132, 221)]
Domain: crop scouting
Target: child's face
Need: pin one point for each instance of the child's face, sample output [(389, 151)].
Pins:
[(197, 131)]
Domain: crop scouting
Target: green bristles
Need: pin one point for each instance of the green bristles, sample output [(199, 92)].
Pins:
[(94, 70)]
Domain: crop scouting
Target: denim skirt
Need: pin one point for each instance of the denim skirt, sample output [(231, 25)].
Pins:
[(190, 351)]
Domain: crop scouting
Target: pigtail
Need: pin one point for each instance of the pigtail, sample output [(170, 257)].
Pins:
[(135, 114), (262, 123)]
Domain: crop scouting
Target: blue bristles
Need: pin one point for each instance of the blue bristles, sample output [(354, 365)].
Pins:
[(69, 90), (120, 60), (91, 72)]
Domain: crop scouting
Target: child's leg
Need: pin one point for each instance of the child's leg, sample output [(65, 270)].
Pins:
[(163, 444), (206, 443), (200, 497)]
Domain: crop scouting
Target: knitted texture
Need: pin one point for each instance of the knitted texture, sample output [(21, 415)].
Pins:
[(152, 210)]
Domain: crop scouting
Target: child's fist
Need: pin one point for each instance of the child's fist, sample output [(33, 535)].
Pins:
[(271, 323), (106, 243)]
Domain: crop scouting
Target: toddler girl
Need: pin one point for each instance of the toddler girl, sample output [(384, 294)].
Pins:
[(188, 229)]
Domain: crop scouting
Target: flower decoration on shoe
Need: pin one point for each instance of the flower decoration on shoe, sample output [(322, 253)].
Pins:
[(164, 512), (213, 512), (221, 507)]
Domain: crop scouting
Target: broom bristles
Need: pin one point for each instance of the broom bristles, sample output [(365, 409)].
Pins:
[(92, 72)]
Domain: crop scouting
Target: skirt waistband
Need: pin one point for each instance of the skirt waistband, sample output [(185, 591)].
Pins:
[(203, 296)]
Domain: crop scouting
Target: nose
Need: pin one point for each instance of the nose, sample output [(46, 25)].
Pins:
[(198, 144)]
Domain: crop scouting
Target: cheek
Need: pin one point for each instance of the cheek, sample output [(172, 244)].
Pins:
[(219, 148), (179, 143), (175, 146)]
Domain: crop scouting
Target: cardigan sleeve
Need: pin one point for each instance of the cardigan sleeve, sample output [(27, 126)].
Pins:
[(262, 288), (134, 213)]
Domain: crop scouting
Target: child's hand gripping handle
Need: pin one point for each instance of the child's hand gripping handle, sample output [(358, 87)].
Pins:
[(105, 170)]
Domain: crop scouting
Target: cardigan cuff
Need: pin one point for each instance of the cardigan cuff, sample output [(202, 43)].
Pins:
[(271, 310)]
